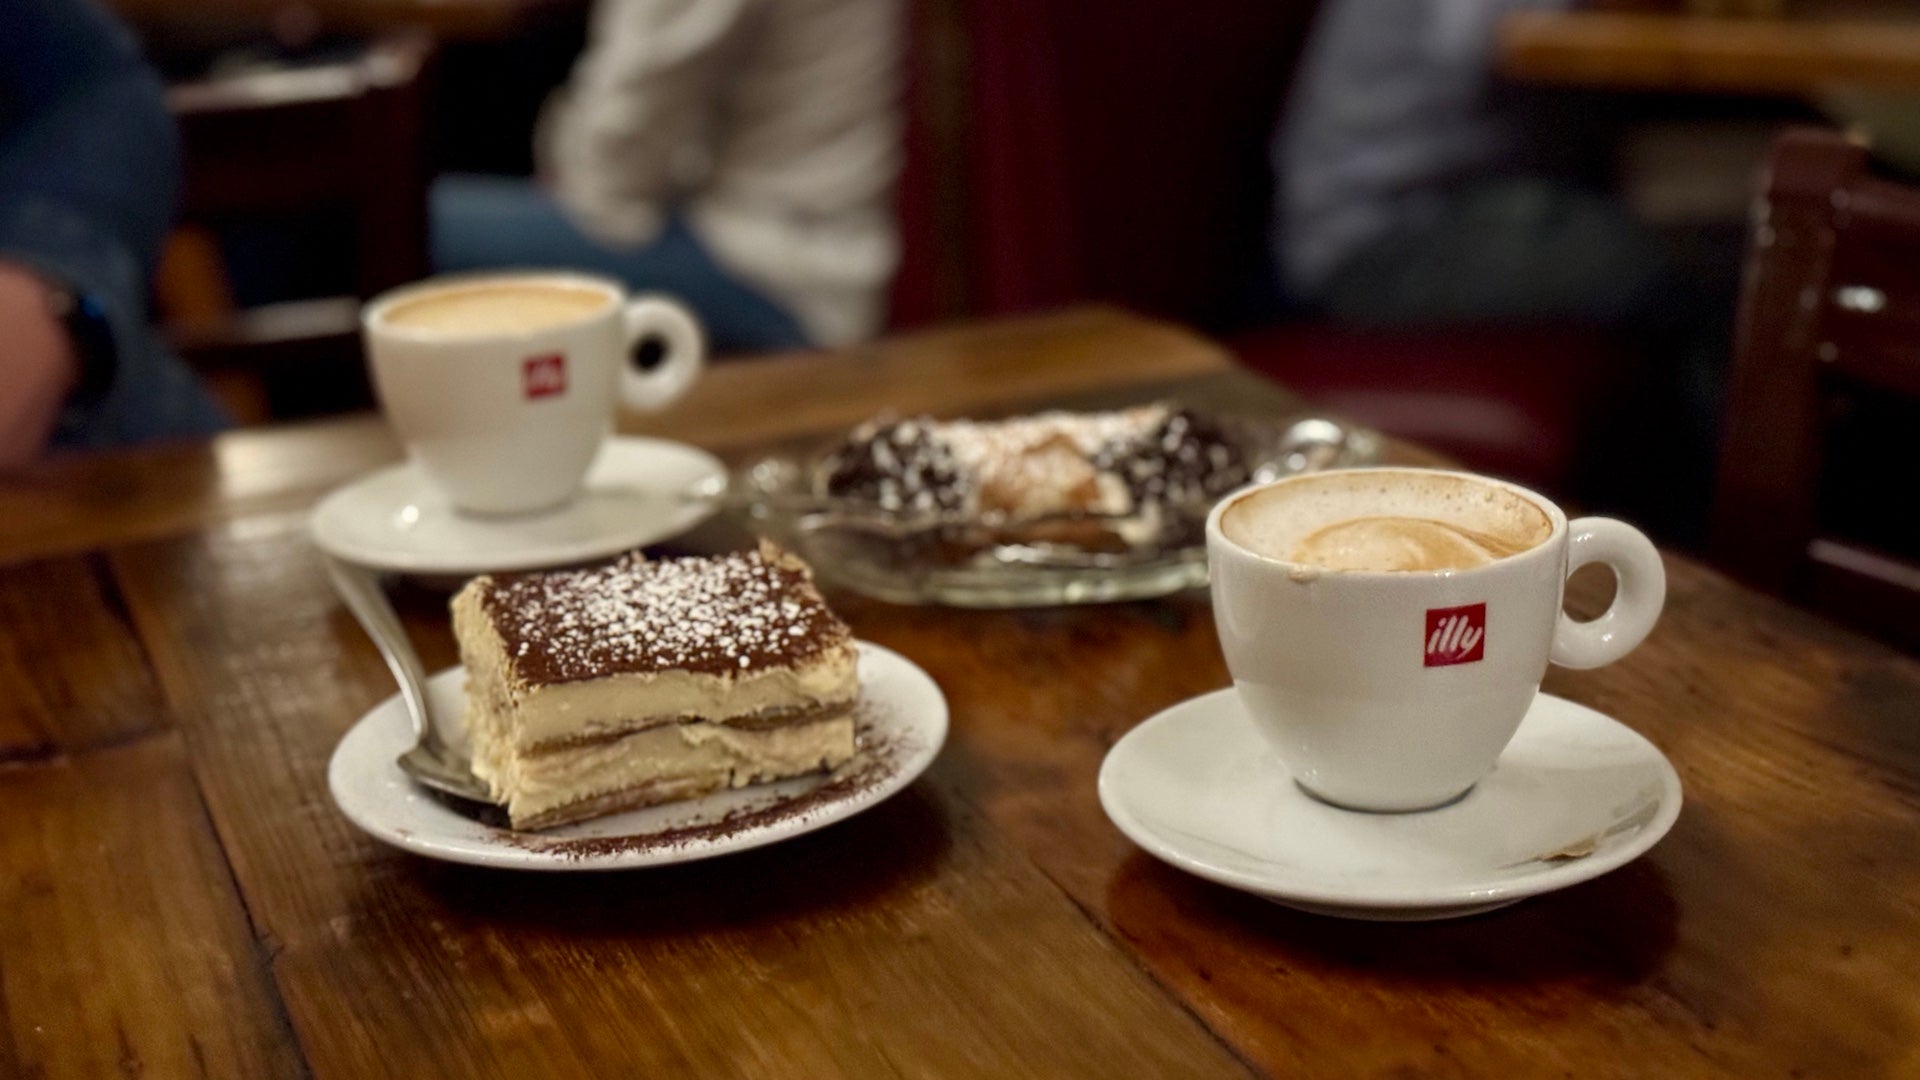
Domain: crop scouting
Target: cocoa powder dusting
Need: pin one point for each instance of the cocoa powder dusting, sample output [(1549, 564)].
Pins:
[(724, 615)]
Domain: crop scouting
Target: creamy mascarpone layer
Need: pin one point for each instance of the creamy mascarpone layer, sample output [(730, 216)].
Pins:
[(554, 714), (705, 755)]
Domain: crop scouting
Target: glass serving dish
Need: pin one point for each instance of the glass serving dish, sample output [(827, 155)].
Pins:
[(969, 560)]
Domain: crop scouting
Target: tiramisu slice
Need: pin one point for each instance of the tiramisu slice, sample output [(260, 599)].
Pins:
[(600, 690)]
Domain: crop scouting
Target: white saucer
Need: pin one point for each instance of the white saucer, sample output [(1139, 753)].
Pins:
[(636, 493), (1197, 787), (903, 722)]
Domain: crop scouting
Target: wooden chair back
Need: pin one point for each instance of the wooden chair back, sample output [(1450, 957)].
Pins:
[(1827, 348), (347, 136)]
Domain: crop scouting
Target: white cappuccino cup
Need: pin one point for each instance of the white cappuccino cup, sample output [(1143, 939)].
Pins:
[(503, 387), (1387, 629)]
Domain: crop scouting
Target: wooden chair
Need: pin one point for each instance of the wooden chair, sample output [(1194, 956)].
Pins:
[(1818, 461), (345, 136)]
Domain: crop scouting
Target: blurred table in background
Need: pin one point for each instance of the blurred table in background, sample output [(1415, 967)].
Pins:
[(1811, 48), (447, 19)]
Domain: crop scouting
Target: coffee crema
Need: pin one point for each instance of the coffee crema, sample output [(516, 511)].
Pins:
[(484, 310), (1400, 543), (1386, 521)]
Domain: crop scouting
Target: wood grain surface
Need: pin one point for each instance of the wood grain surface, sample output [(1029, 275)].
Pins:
[(1726, 951), (852, 952), (124, 949), (74, 676), (179, 896)]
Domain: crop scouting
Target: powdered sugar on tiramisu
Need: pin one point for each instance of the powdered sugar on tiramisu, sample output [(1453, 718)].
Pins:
[(732, 613)]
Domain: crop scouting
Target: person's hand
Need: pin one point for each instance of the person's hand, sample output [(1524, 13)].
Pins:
[(38, 368)]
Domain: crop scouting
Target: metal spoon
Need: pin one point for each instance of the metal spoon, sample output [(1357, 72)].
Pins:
[(1309, 444), (435, 760)]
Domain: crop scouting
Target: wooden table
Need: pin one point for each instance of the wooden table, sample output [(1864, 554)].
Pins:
[(1670, 52), (179, 897)]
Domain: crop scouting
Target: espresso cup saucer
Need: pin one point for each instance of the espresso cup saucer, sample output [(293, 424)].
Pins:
[(1575, 795), (638, 491)]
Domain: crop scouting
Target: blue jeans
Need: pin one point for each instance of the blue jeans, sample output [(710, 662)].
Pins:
[(500, 222)]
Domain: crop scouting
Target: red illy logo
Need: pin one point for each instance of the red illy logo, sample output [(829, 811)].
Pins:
[(1456, 635), (544, 376)]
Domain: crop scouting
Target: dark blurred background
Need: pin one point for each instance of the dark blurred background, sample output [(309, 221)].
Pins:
[(1057, 152)]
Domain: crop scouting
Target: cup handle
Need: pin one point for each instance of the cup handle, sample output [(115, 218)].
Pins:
[(1640, 592), (678, 332)]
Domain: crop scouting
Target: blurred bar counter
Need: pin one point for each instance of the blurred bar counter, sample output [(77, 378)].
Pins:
[(1800, 49), (471, 20)]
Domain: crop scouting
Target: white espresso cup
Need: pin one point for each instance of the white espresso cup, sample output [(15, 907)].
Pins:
[(1397, 689), (503, 387)]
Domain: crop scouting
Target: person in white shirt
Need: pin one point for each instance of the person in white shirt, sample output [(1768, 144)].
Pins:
[(739, 153)]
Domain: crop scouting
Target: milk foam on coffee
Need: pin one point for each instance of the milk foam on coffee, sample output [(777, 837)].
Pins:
[(496, 308), (1386, 522)]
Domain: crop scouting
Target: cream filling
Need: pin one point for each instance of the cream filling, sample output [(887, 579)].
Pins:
[(715, 754), (620, 703)]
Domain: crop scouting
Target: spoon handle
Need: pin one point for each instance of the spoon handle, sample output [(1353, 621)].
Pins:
[(360, 588)]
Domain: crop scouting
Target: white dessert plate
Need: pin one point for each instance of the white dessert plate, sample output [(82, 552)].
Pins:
[(902, 722), (1576, 794), (638, 491)]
